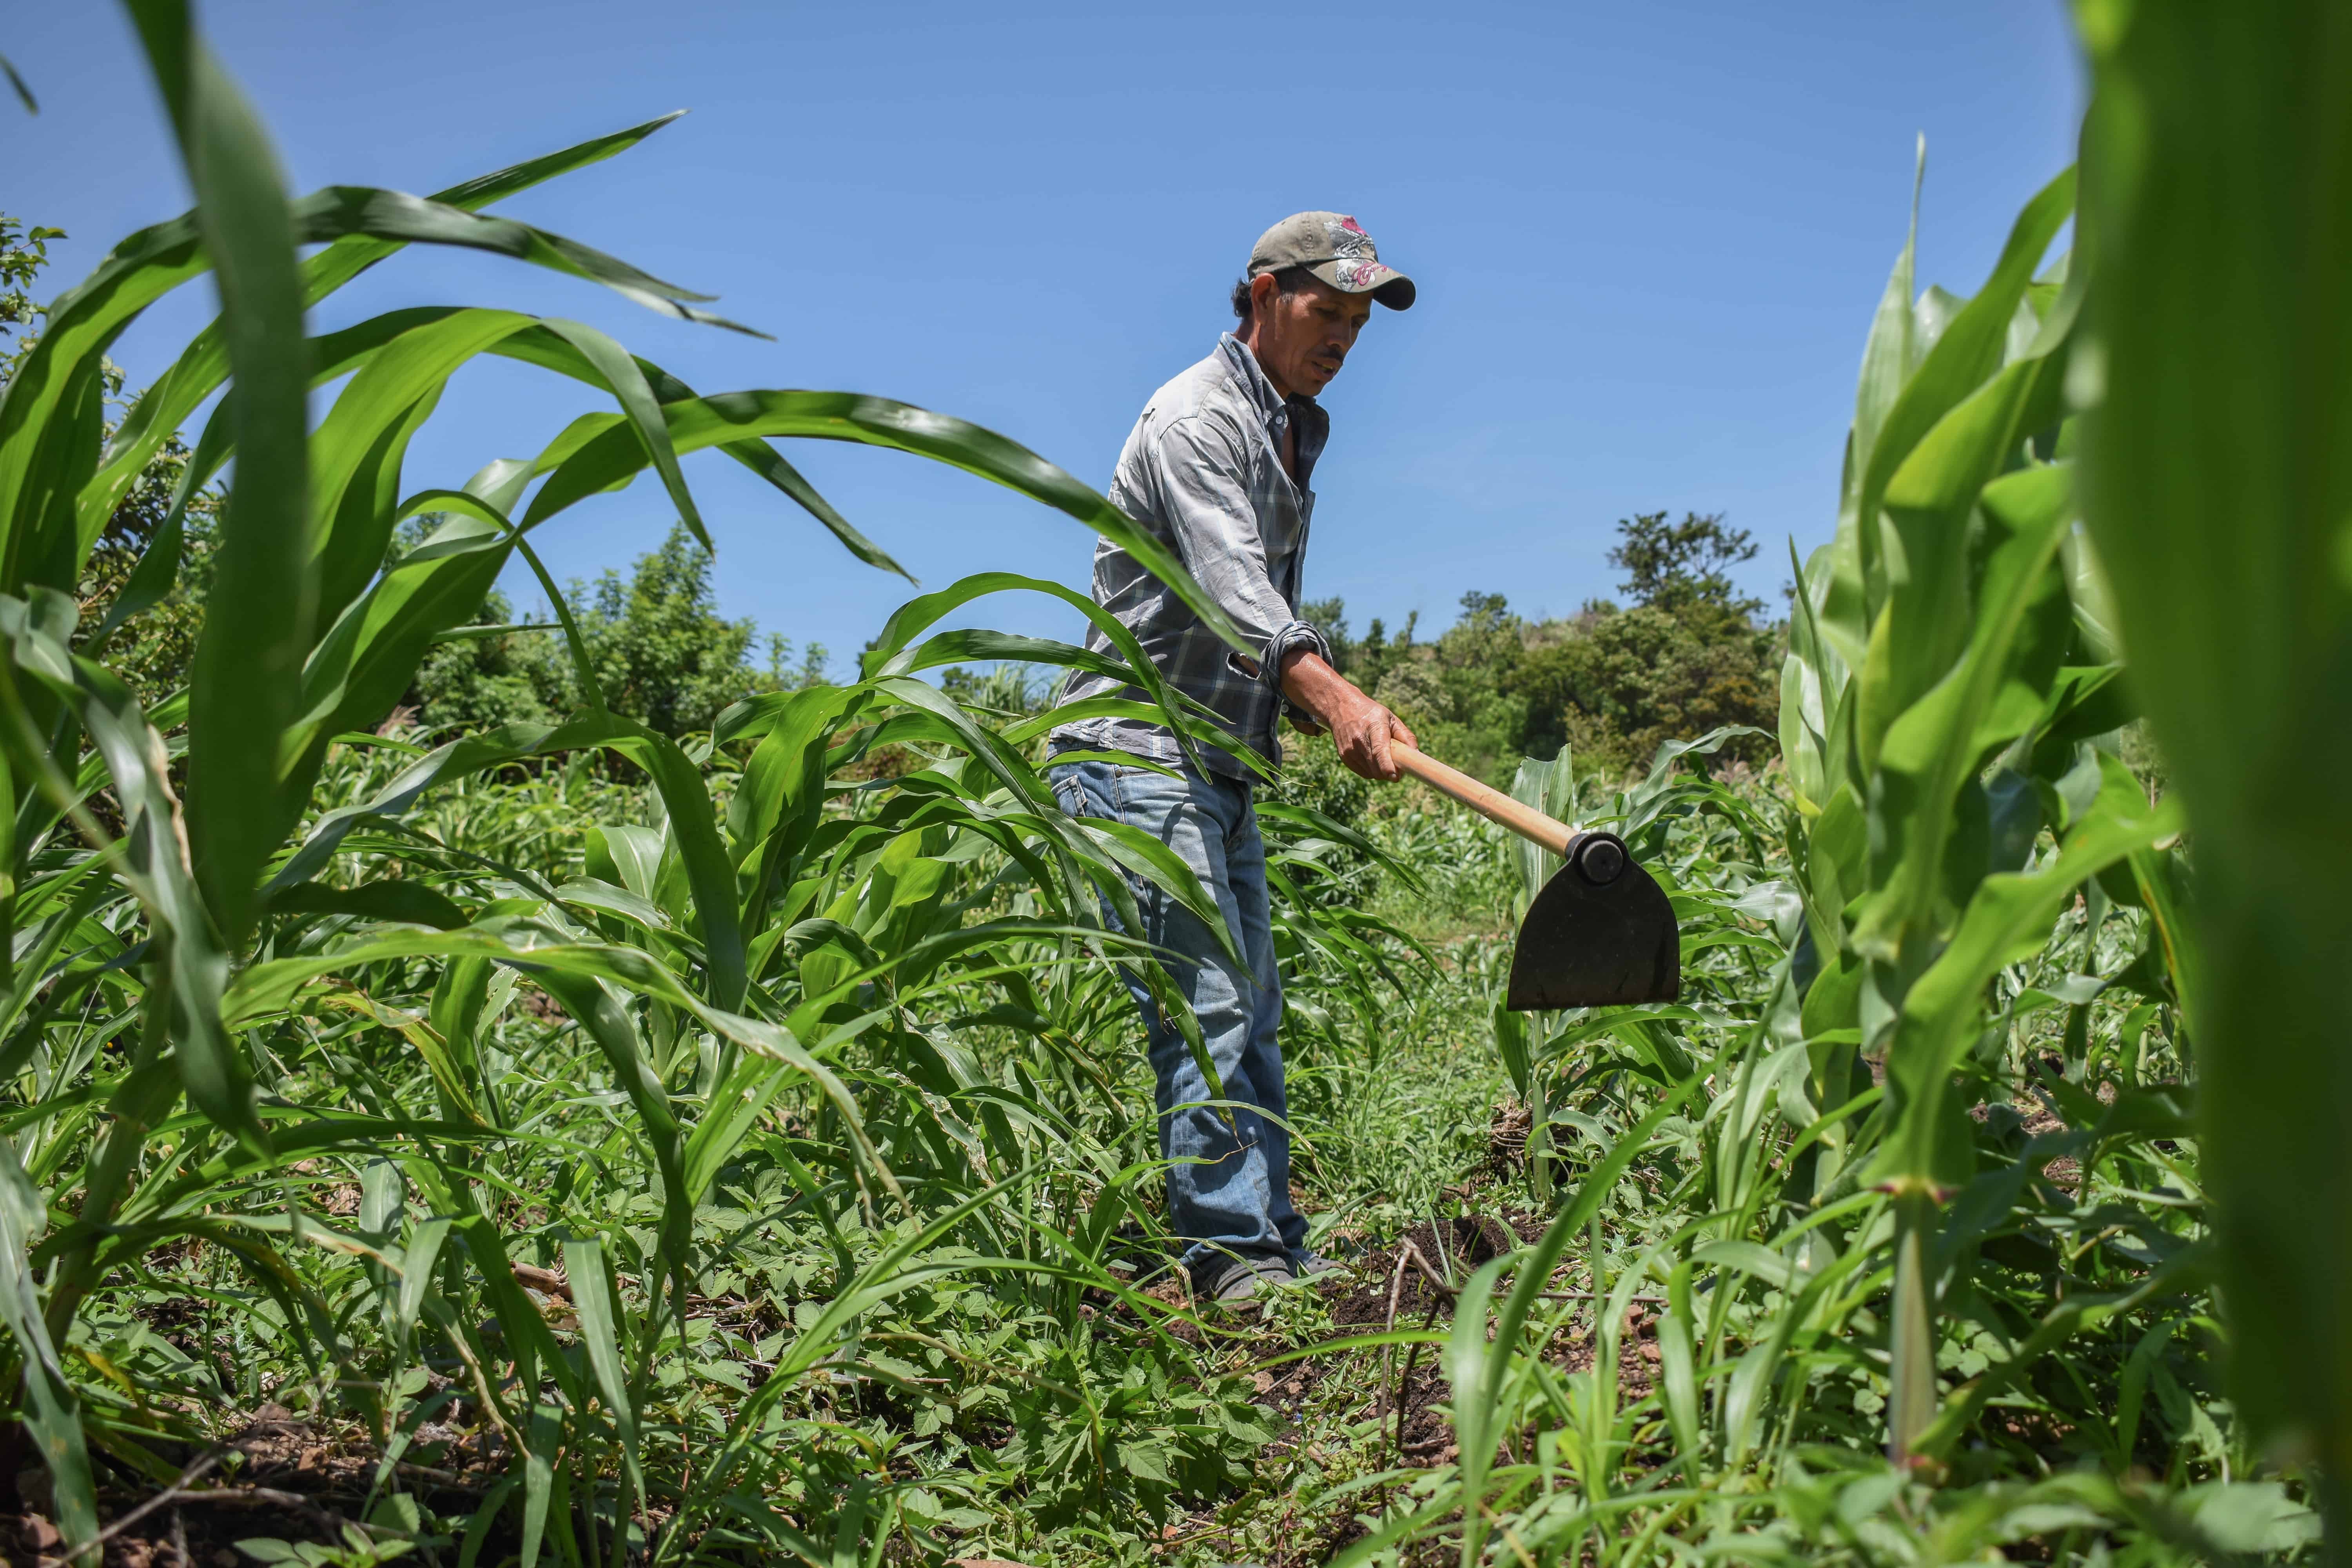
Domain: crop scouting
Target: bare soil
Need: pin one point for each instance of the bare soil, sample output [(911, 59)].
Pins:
[(279, 1476)]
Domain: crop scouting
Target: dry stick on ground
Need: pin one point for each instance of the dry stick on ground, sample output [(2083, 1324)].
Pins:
[(1396, 1293), (176, 1495), (1404, 1380), (1414, 1254), (204, 1462), (1431, 1274)]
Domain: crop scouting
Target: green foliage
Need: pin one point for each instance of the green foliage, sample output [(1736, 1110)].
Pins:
[(2215, 208), (746, 1155), (658, 649), (23, 253), (662, 653), (1678, 566), (1625, 682), (1687, 655), (476, 681), (1009, 691), (358, 1550), (1314, 778), (156, 651), (357, 978)]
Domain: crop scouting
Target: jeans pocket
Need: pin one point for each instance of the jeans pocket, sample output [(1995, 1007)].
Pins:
[(1070, 794)]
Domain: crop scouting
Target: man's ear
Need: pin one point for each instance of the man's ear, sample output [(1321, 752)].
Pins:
[(1263, 289)]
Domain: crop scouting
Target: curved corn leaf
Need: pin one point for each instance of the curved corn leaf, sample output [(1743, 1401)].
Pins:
[(154, 861), (53, 1416), (602, 458), (2010, 913), (245, 679), (1965, 356), (204, 365), (1994, 694)]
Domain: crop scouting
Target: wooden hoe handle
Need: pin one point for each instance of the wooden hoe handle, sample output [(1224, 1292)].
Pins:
[(1489, 803)]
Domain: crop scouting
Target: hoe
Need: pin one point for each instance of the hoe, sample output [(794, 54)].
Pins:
[(1600, 932)]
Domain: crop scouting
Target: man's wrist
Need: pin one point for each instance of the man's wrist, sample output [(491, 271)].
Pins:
[(1336, 702), (1311, 683)]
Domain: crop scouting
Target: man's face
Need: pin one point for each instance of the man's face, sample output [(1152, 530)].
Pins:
[(1302, 338)]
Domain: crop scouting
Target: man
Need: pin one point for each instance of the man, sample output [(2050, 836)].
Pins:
[(1219, 469)]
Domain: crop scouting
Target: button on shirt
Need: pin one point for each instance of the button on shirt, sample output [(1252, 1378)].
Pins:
[(1203, 472)]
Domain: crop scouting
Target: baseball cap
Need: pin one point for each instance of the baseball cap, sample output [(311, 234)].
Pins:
[(1334, 248)]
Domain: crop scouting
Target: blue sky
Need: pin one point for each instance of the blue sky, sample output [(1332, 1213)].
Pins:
[(1648, 240)]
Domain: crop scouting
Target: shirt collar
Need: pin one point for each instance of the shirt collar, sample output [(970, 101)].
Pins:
[(1251, 375), (1312, 423)]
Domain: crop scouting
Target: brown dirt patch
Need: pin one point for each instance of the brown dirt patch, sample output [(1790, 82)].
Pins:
[(282, 1477)]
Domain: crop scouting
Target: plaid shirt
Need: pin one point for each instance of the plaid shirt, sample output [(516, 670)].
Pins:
[(1202, 472)]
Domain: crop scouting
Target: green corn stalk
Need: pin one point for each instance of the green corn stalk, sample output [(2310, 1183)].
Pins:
[(1943, 674), (2219, 469), (698, 1014), (1550, 788)]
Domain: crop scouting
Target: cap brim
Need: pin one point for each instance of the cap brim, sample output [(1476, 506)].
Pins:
[(1384, 283)]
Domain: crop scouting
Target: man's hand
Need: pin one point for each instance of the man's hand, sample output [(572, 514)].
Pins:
[(1361, 727)]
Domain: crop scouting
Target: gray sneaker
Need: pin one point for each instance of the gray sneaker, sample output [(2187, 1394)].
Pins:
[(1315, 1266), (1245, 1278)]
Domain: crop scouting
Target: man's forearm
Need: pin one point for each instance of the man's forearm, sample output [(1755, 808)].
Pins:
[(1315, 686)]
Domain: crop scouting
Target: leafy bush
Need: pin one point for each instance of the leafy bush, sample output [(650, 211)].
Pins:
[(1689, 655), (660, 652), (1627, 681)]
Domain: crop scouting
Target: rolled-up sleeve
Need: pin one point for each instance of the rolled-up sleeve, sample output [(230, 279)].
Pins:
[(1200, 467)]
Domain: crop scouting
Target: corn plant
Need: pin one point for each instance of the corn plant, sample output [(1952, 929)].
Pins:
[(1707, 1367), (1912, 1165), (1951, 661), (227, 976), (2215, 475)]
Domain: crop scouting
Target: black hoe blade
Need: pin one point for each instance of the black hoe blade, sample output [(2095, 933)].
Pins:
[(1600, 932)]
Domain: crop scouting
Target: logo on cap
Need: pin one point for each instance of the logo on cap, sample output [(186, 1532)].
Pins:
[(1348, 239)]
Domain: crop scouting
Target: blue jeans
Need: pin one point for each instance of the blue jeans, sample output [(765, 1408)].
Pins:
[(1229, 1184)]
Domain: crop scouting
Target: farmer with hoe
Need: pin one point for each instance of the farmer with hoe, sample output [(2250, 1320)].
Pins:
[(1219, 469)]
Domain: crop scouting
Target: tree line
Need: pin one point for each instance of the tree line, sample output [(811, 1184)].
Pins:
[(1686, 651)]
